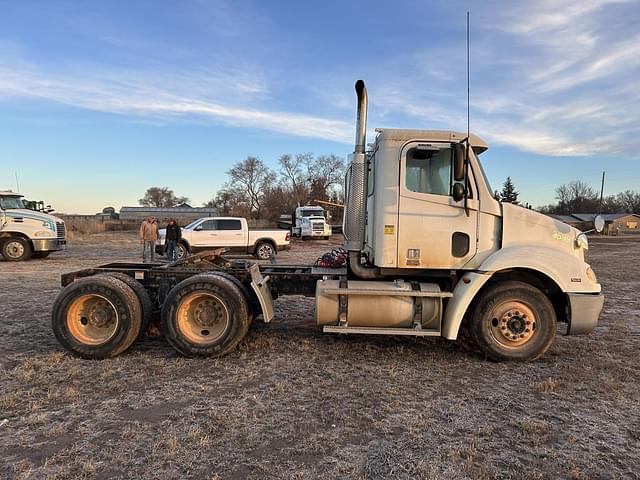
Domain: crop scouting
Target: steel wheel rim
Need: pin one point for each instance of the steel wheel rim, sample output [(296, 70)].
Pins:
[(181, 251), (14, 249), (513, 324), (265, 251), (202, 318), (92, 319)]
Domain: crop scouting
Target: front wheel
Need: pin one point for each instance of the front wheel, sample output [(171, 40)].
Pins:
[(16, 249), (40, 254), (513, 321), (264, 251), (181, 251)]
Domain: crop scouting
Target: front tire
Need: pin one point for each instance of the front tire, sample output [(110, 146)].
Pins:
[(513, 321), (40, 254), (204, 316), (181, 251), (16, 249), (96, 317)]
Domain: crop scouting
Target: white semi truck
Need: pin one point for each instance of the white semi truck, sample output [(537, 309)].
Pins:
[(429, 249), (310, 222), (27, 233)]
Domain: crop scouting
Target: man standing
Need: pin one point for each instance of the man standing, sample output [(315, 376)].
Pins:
[(148, 236), (173, 236)]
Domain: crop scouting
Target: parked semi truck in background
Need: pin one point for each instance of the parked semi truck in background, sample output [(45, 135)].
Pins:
[(26, 233), (311, 222), (429, 249)]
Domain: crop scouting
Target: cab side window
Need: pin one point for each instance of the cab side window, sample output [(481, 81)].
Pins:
[(208, 225), (228, 224), (428, 170)]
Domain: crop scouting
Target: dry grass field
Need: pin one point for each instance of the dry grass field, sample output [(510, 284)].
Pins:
[(294, 403)]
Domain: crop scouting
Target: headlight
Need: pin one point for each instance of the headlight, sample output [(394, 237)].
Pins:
[(582, 242), (50, 225)]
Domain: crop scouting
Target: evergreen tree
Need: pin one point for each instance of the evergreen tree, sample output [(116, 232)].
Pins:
[(509, 194)]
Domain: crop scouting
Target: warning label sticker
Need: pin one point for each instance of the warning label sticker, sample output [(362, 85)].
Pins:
[(389, 229)]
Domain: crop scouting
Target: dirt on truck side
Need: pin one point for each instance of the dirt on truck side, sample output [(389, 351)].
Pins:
[(292, 402)]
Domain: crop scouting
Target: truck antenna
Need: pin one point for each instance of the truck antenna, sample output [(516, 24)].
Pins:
[(17, 183), (468, 82)]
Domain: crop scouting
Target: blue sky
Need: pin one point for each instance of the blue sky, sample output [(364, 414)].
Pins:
[(100, 100)]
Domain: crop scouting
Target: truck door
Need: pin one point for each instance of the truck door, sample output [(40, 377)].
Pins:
[(230, 233), (204, 235), (434, 231)]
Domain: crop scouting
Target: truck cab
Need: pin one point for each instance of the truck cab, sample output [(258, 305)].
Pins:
[(311, 222), (26, 233)]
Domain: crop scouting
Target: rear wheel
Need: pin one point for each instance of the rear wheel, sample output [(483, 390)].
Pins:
[(264, 251), (16, 249), (513, 321), (205, 315), (143, 297), (96, 317)]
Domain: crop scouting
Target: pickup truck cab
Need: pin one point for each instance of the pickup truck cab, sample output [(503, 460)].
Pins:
[(231, 233)]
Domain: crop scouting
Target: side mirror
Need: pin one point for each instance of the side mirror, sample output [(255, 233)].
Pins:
[(459, 153), (598, 223), (458, 192)]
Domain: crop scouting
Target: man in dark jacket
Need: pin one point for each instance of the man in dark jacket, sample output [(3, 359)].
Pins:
[(172, 237)]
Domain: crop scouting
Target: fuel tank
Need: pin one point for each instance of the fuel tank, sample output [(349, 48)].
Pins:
[(379, 304)]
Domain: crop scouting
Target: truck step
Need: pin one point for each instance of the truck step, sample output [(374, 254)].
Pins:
[(416, 332), (395, 293)]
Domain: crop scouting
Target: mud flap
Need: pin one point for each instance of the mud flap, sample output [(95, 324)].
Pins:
[(259, 285)]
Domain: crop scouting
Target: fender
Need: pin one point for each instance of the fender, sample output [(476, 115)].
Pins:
[(567, 271)]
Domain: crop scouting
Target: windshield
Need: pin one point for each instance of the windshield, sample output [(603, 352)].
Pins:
[(313, 212), (8, 203), (191, 225)]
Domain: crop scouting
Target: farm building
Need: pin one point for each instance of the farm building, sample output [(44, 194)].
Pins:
[(183, 215), (614, 223)]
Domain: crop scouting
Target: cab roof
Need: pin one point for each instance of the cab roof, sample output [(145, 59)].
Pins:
[(404, 135), (9, 193)]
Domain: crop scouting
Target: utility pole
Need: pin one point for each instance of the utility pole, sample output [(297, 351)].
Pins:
[(601, 194)]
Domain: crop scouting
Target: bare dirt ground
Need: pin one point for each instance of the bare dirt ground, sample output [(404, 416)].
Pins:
[(295, 403)]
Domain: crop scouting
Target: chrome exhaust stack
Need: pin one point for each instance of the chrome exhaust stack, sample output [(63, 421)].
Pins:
[(356, 184)]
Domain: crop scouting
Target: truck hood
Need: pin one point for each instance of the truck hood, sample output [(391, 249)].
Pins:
[(31, 214), (521, 226)]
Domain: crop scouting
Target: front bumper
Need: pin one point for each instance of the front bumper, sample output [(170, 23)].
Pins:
[(48, 244), (584, 311)]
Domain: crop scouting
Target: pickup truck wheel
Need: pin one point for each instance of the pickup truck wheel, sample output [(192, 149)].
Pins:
[(40, 254), (513, 321), (264, 251), (96, 317), (205, 315), (181, 251), (16, 249), (143, 296)]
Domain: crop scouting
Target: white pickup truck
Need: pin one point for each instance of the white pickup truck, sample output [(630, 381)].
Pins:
[(231, 233)]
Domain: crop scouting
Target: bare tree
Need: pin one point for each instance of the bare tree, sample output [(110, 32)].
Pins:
[(324, 173), (250, 179), (161, 197), (629, 201)]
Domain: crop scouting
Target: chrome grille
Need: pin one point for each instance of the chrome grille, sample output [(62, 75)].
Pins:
[(61, 229), (317, 227)]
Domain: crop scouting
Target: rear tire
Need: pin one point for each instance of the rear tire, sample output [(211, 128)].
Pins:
[(513, 321), (143, 297), (96, 317), (205, 315), (16, 249), (264, 251)]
